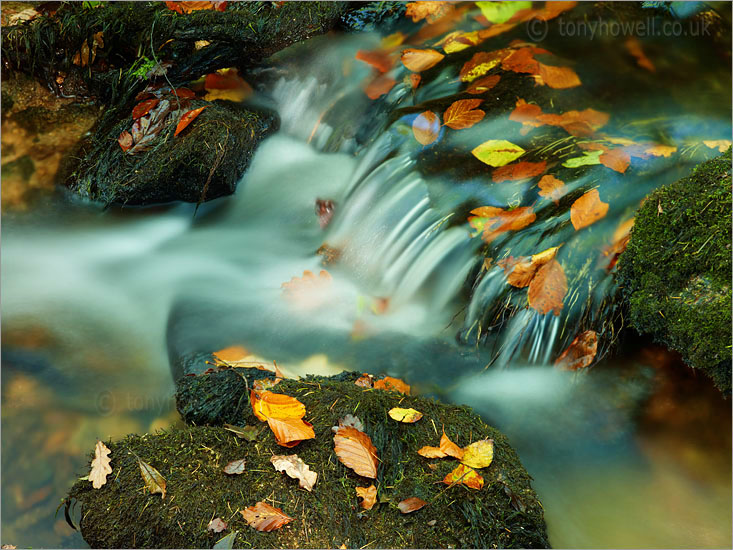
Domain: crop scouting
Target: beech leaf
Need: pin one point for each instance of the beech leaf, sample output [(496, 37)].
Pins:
[(355, 450), (100, 465), (479, 454), (466, 475), (463, 114), (295, 468), (154, 481), (408, 416), (235, 467), (289, 432), (580, 353), (392, 384), (264, 517), (483, 84), (548, 288), (518, 171), (187, 119), (615, 159), (411, 504), (426, 127), (552, 188), (420, 60), (267, 404), (497, 152), (587, 210)]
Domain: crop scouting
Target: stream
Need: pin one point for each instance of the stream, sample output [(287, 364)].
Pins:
[(97, 304)]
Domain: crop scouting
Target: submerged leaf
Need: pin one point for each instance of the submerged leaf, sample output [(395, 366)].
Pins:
[(501, 12), (463, 114), (615, 159), (379, 86), (518, 171), (587, 210), (493, 221), (411, 504), (497, 152), (264, 517), (588, 158), (355, 450), (426, 127), (368, 496), (548, 288), (520, 272), (100, 465), (483, 84), (552, 188), (429, 10), (580, 353), (295, 468), (154, 481), (420, 60)]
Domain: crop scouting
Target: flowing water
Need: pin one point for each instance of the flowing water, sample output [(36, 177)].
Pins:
[(95, 304)]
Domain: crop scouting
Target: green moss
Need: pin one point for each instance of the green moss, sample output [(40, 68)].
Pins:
[(122, 514), (676, 271)]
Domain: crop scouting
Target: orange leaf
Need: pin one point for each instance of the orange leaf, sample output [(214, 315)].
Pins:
[(368, 496), (559, 77), (450, 448), (184, 93), (355, 450), (415, 80), (580, 352), (618, 243), (125, 140), (463, 114), (365, 380), (420, 60), (587, 210), (481, 63), (483, 84), (392, 384), (428, 10), (143, 108), (466, 475), (379, 86), (188, 7), (231, 354), (499, 221), (379, 59), (290, 431), (267, 404), (552, 188), (518, 171), (577, 123), (521, 61), (264, 517), (616, 159), (431, 452), (520, 272), (548, 288), (187, 119), (633, 46), (411, 504), (426, 127), (262, 384)]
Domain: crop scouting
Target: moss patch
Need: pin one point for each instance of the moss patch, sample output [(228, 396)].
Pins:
[(122, 514), (676, 271)]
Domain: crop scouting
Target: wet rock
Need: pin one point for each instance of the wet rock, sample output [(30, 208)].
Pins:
[(505, 512), (676, 271)]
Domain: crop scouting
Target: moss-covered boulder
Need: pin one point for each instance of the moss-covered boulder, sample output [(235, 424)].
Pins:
[(504, 513), (676, 271)]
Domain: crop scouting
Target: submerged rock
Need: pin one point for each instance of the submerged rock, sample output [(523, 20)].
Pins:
[(504, 513), (676, 271)]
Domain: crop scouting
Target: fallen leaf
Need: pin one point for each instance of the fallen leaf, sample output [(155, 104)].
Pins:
[(483, 84), (235, 467), (392, 384), (559, 77), (267, 404), (379, 59), (463, 114), (100, 465), (226, 84), (264, 517), (720, 144), (657, 150), (289, 432), (497, 152), (295, 468), (580, 352), (350, 421), (445, 448), (478, 454), (633, 46), (458, 41), (187, 119), (577, 123), (587, 210), (408, 416), (227, 542), (548, 288), (522, 61), (355, 450), (552, 188), (428, 10), (420, 60), (615, 159), (411, 504), (145, 129), (368, 496), (619, 241), (493, 222), (481, 63), (231, 354), (144, 107), (518, 171), (500, 12), (589, 158), (154, 481), (520, 272), (249, 433), (217, 525), (463, 474), (125, 140), (262, 384), (188, 7), (415, 80), (379, 86), (365, 381), (426, 127)]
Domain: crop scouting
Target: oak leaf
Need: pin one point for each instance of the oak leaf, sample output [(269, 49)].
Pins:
[(154, 481), (420, 60), (580, 353), (411, 504), (587, 210), (368, 496), (264, 517), (426, 127), (478, 454), (295, 468), (466, 475), (355, 450), (100, 465), (407, 416), (392, 384), (552, 188), (463, 114), (518, 171), (548, 288)]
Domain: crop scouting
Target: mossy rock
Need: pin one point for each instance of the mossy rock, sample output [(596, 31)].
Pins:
[(203, 162), (676, 270), (504, 513)]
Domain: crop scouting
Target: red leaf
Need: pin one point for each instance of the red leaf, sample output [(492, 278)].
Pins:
[(143, 108), (518, 171), (125, 140), (379, 86), (184, 93), (378, 59), (187, 118)]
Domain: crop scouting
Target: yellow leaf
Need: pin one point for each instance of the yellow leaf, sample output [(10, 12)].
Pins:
[(420, 60), (463, 474), (497, 152), (408, 416), (479, 454), (719, 144), (267, 404)]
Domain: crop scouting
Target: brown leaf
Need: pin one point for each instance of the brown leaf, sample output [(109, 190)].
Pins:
[(499, 221), (144, 107), (289, 432), (379, 59), (633, 46), (548, 288), (428, 10), (616, 159), (235, 467), (355, 450), (392, 384), (295, 468), (264, 517), (125, 140), (217, 525), (368, 496), (188, 7), (483, 84), (100, 465), (154, 481), (379, 86), (552, 188), (522, 61), (521, 271), (618, 242), (187, 119), (415, 80), (518, 171), (420, 60), (411, 504), (426, 127), (580, 352), (559, 78), (365, 381), (466, 475), (587, 210), (463, 114), (324, 211), (577, 123)]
